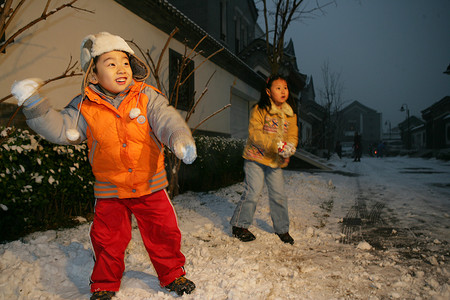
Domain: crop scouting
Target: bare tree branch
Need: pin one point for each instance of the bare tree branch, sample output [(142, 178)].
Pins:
[(45, 14), (174, 31), (285, 12), (9, 14), (155, 68), (205, 60), (332, 101), (70, 71), (191, 111), (210, 116)]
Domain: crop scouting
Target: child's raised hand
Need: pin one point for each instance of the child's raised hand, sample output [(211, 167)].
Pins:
[(184, 148), (24, 89)]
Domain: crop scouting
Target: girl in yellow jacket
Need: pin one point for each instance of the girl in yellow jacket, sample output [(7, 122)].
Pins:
[(273, 138)]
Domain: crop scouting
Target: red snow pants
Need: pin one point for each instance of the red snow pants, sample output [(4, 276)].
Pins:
[(111, 232)]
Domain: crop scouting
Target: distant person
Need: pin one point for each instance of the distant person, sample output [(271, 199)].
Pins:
[(273, 137), (380, 149), (125, 122), (357, 147), (338, 149)]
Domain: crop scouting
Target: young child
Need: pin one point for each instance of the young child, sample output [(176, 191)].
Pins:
[(272, 139), (125, 122)]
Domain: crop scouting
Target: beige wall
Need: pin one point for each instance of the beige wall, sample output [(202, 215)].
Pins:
[(44, 51)]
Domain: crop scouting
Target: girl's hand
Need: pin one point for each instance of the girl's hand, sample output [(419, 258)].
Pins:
[(286, 149)]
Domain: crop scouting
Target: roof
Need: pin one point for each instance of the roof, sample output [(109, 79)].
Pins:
[(166, 17), (438, 107), (413, 122), (360, 106)]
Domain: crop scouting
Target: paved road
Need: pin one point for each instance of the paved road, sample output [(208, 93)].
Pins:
[(397, 201)]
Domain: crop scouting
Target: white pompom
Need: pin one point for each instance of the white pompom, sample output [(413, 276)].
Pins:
[(72, 134), (134, 113)]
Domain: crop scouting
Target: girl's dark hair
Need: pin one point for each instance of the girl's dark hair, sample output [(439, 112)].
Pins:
[(264, 101)]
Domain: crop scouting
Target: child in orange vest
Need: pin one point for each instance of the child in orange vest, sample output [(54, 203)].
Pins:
[(126, 123)]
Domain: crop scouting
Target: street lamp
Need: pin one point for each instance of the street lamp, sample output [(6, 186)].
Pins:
[(447, 71), (408, 141), (385, 124)]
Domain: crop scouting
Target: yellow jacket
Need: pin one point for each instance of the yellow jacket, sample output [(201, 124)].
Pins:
[(266, 129)]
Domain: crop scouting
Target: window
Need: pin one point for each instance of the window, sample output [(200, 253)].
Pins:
[(244, 36), (237, 35), (447, 133), (223, 20), (186, 91)]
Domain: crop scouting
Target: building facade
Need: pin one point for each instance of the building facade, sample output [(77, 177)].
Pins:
[(39, 52), (358, 118), (231, 22), (437, 124)]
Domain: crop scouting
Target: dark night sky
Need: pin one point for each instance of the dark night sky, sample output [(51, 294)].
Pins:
[(388, 52)]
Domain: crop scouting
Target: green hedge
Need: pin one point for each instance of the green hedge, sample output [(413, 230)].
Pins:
[(219, 163), (44, 186)]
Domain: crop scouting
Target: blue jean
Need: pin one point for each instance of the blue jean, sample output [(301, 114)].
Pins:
[(255, 175)]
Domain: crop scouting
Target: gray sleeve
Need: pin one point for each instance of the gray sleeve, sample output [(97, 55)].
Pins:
[(165, 121), (52, 124)]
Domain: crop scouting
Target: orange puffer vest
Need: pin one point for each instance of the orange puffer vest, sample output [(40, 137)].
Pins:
[(126, 157)]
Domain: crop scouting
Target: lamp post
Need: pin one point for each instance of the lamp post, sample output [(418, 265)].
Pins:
[(408, 141), (385, 124), (447, 71)]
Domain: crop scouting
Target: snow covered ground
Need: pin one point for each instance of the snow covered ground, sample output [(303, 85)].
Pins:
[(400, 251)]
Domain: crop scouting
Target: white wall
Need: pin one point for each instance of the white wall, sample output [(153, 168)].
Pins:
[(45, 49)]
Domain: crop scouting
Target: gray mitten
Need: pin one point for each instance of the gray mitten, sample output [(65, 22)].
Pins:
[(184, 148)]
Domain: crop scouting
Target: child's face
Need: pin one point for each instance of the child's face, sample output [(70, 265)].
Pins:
[(278, 92), (113, 71)]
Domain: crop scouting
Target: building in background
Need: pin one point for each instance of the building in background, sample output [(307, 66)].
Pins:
[(437, 124), (235, 76), (231, 22), (358, 118), (412, 133), (148, 24)]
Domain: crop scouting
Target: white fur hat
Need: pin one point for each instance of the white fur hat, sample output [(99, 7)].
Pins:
[(96, 44)]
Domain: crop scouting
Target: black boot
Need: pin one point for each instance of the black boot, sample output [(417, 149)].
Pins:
[(243, 234), (102, 295), (286, 238), (180, 286)]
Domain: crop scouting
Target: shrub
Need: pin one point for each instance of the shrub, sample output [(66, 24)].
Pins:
[(44, 186), (219, 163)]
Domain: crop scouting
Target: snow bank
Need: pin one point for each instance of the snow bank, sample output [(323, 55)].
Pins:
[(57, 264)]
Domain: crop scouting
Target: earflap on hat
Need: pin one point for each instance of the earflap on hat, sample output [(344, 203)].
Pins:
[(140, 69)]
